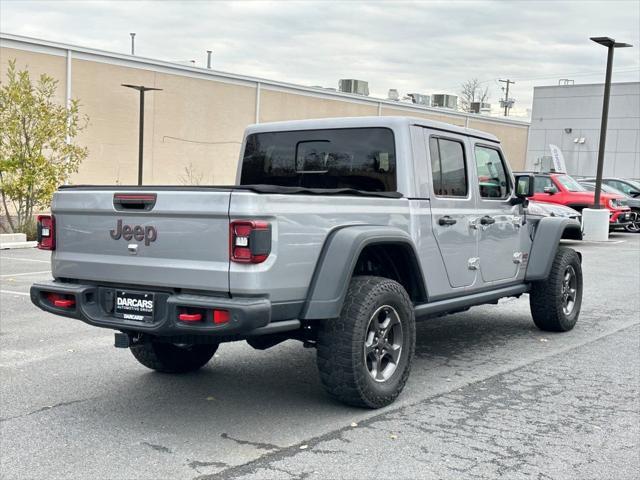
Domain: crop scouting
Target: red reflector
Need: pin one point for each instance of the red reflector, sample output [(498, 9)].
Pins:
[(190, 317), (221, 316), (60, 301), (64, 303)]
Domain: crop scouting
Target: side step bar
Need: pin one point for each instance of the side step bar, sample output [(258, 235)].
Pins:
[(458, 303)]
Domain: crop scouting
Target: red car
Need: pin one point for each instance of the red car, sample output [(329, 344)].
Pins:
[(562, 189)]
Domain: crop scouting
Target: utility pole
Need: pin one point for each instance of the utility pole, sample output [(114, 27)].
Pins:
[(506, 96)]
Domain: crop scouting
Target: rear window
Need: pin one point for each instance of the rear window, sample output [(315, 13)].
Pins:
[(358, 158)]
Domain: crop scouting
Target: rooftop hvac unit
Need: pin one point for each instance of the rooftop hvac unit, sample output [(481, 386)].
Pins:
[(480, 107), (349, 85), (393, 95), (445, 101), (420, 99)]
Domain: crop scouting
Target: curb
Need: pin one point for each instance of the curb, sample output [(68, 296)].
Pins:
[(17, 245)]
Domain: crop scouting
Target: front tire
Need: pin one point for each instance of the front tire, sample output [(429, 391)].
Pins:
[(171, 358), (364, 357), (555, 302)]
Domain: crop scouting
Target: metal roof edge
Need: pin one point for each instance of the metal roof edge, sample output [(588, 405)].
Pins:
[(264, 83)]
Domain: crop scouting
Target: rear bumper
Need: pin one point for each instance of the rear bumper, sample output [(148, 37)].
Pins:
[(93, 305)]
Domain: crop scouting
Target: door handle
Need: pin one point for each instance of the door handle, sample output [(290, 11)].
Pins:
[(446, 221), (487, 220)]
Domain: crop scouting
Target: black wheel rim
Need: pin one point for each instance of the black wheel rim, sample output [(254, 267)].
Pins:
[(383, 343), (569, 290)]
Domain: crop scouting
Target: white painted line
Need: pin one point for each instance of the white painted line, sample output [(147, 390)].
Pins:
[(25, 273), (11, 292), (3, 257)]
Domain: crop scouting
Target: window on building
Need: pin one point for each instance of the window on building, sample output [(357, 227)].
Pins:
[(357, 158), (448, 171), (492, 174)]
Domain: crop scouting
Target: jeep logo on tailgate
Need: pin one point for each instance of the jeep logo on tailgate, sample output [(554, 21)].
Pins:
[(137, 232)]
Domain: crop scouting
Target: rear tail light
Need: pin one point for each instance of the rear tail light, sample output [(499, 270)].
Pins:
[(60, 300), (46, 231), (250, 241)]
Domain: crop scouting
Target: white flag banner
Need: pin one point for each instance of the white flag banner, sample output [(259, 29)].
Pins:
[(558, 159)]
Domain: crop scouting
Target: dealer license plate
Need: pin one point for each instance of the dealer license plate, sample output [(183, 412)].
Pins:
[(134, 305)]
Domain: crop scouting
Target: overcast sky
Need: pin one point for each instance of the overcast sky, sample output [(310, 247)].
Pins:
[(427, 46)]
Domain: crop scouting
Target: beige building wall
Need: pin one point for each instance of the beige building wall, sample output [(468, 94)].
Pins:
[(194, 125), (278, 105)]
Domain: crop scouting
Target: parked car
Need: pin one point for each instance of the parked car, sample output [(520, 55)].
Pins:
[(543, 209), (340, 233), (632, 202), (628, 187), (563, 189)]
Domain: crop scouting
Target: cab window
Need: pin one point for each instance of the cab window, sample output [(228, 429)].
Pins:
[(448, 170), (492, 174)]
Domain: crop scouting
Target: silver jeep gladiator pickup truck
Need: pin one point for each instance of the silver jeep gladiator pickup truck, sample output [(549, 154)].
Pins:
[(340, 233)]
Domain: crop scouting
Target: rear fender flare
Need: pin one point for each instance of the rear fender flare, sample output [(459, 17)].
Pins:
[(337, 263)]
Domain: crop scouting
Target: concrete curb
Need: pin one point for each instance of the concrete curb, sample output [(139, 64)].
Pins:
[(17, 245)]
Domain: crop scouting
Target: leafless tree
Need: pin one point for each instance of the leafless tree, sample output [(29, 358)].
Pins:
[(472, 91), (191, 176)]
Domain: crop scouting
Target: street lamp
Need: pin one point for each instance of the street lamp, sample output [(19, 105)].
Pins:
[(611, 44), (141, 89), (595, 220)]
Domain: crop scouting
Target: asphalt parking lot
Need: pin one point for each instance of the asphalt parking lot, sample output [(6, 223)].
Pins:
[(489, 396)]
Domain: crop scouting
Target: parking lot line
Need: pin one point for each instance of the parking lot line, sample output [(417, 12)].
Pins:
[(4, 257), (24, 273), (24, 294)]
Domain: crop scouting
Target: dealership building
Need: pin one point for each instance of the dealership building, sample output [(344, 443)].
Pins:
[(569, 116), (196, 121)]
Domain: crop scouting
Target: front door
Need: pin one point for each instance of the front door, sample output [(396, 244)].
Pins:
[(452, 206), (498, 222)]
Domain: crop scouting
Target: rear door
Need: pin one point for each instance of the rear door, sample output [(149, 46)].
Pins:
[(176, 238), (499, 222), (452, 206)]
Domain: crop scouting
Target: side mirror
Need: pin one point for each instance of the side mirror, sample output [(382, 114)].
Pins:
[(524, 186), (550, 190)]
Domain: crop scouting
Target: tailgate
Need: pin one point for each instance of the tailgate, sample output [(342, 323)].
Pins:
[(179, 240)]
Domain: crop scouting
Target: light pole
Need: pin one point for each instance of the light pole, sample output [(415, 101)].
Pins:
[(133, 43), (141, 89), (611, 44)]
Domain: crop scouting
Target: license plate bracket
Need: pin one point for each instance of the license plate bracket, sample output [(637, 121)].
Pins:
[(131, 305)]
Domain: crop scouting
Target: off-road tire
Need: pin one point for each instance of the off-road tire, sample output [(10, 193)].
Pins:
[(546, 297), (341, 342), (170, 358)]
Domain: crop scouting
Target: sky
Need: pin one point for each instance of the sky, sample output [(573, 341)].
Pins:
[(425, 46)]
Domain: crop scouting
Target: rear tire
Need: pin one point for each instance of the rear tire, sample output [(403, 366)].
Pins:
[(364, 357), (555, 302), (171, 358)]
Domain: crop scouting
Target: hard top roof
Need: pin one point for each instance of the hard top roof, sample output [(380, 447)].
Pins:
[(360, 122)]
